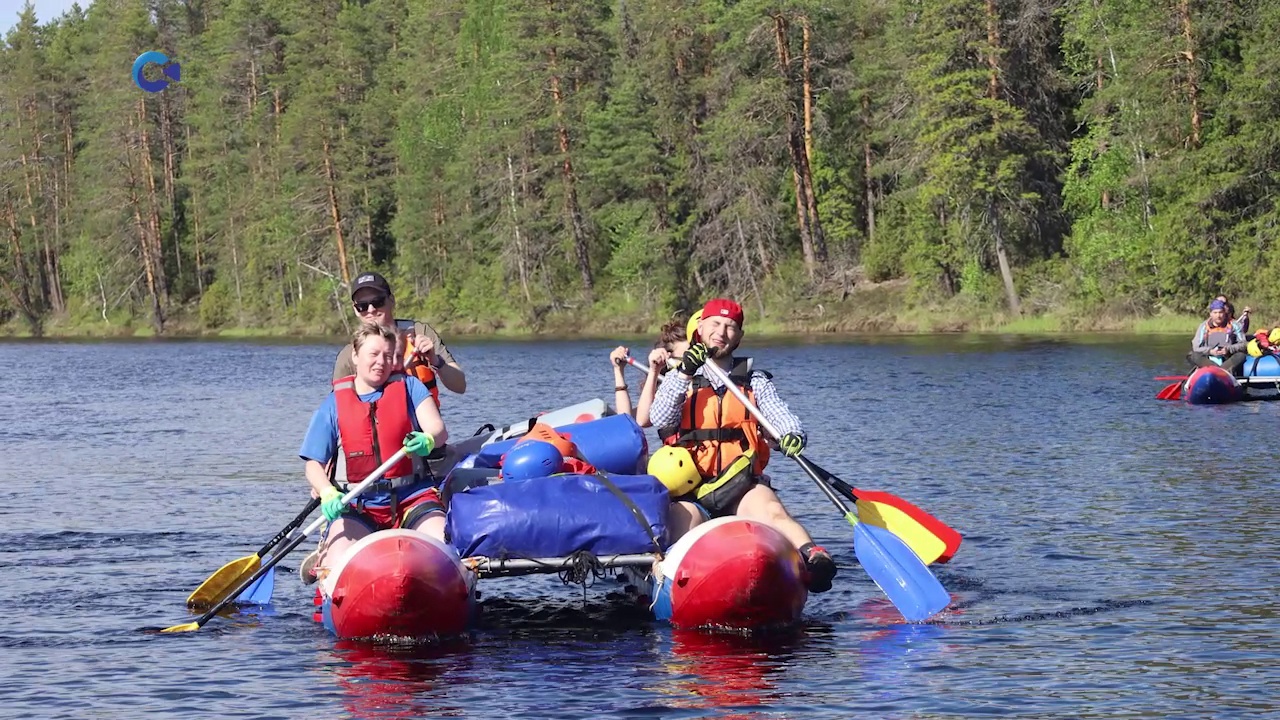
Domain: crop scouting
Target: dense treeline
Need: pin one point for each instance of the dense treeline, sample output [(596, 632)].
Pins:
[(508, 160)]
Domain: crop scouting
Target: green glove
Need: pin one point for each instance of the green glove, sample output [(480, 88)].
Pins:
[(693, 358), (791, 444), (331, 503), (419, 443)]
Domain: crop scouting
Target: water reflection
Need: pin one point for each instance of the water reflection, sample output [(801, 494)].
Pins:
[(383, 680), (710, 671)]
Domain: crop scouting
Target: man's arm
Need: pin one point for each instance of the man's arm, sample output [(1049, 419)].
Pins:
[(1197, 342), (447, 369), (773, 408), (667, 402)]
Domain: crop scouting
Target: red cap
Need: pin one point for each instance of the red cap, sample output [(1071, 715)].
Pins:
[(723, 307)]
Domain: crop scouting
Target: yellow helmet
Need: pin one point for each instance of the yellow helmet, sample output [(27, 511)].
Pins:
[(691, 329), (673, 466)]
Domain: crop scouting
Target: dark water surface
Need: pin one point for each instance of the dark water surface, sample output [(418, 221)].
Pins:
[(1118, 558)]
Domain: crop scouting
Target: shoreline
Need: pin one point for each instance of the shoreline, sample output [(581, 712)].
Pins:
[(453, 331), (878, 311)]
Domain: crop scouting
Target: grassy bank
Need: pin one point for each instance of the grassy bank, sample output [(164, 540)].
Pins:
[(871, 309)]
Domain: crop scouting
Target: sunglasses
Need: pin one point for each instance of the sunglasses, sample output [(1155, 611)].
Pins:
[(373, 304)]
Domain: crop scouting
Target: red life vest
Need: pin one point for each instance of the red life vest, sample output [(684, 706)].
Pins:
[(366, 428)]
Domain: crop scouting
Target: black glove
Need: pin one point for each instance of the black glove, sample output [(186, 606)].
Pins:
[(791, 444), (693, 358)]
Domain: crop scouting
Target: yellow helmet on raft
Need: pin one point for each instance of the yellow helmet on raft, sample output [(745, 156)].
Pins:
[(674, 467)]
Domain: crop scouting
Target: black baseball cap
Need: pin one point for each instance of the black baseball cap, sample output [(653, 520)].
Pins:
[(372, 281)]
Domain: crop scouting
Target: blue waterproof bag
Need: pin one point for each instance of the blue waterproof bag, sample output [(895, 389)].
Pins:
[(558, 515), (613, 444)]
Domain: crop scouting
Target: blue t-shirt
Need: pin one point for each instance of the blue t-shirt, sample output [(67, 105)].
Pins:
[(321, 442)]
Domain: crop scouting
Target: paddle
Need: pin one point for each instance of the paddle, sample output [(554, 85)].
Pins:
[(927, 536), (894, 567), (294, 543), (1172, 391), (215, 589)]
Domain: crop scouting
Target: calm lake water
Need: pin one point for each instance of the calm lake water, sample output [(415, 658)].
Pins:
[(1117, 559)]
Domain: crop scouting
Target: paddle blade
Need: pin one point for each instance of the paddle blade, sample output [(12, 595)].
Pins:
[(926, 544), (1173, 391), (899, 572), (260, 592), (1171, 377), (184, 627), (221, 583)]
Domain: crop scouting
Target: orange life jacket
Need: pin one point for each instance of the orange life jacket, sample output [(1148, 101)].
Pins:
[(366, 428), (716, 427), (421, 370)]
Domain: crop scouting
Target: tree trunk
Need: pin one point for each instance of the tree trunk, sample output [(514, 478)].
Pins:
[(153, 211), (334, 214), (150, 262), (812, 243), (21, 295), (1193, 71), (522, 266), (746, 249), (808, 95), (868, 183), (1006, 273), (195, 217), (56, 295), (573, 211), (811, 196), (993, 207)]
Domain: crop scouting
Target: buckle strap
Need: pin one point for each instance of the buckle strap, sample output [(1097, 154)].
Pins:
[(631, 505), (718, 434)]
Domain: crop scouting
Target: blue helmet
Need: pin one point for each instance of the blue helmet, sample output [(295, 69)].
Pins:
[(531, 459)]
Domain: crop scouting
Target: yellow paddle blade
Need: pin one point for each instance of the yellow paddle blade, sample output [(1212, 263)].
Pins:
[(221, 583), (923, 543), (184, 627)]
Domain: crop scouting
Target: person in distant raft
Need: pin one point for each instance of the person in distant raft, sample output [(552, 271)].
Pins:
[(374, 412), (697, 417), (1218, 342)]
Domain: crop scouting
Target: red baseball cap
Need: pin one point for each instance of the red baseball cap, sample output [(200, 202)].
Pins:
[(723, 307)]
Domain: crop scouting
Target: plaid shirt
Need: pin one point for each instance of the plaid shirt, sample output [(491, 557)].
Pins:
[(669, 401)]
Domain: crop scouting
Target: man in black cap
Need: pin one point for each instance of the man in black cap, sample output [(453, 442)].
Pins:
[(373, 301)]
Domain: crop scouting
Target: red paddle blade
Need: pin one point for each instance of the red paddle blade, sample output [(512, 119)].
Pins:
[(1170, 392), (943, 532), (1170, 377)]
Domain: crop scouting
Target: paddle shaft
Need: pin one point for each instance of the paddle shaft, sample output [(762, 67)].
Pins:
[(808, 467), (293, 525), (294, 543)]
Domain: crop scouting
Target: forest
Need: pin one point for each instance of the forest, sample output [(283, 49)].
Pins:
[(601, 165)]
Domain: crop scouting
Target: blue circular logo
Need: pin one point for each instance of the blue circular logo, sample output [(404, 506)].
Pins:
[(158, 58)]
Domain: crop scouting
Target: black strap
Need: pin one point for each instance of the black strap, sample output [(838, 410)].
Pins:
[(639, 515), (717, 434)]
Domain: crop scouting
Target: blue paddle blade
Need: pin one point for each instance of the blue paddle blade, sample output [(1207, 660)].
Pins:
[(899, 572), (259, 593)]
